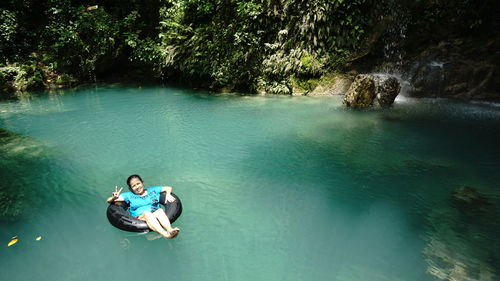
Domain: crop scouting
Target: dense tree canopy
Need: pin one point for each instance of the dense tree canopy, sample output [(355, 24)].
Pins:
[(237, 44)]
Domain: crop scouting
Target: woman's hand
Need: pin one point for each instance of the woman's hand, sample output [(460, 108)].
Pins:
[(169, 198), (116, 194)]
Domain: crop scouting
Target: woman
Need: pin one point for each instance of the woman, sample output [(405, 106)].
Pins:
[(144, 205)]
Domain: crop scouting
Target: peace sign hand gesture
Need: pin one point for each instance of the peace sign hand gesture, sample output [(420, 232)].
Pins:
[(116, 194)]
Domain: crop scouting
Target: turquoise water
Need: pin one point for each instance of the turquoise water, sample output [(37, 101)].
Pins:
[(273, 188)]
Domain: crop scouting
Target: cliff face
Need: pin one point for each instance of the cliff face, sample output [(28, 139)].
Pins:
[(457, 68), (461, 68), (441, 48)]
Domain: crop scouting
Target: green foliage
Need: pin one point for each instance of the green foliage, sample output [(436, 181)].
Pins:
[(27, 77), (214, 44), (243, 44), (332, 26), (65, 79), (8, 33), (30, 78), (248, 45), (258, 45), (310, 66), (305, 85), (76, 39), (7, 80), (8, 74)]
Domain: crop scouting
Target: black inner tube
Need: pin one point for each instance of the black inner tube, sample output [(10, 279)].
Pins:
[(119, 216)]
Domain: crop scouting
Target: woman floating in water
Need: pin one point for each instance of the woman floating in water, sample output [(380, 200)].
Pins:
[(145, 205)]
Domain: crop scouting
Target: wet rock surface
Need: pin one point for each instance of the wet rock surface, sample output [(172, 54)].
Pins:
[(456, 70), (386, 89), (368, 90)]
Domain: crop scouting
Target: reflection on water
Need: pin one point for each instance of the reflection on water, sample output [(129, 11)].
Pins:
[(273, 188)]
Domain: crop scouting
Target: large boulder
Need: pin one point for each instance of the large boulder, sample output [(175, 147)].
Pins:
[(387, 89), (361, 93), (368, 90)]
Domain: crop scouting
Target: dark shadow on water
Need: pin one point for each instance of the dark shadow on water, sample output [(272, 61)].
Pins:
[(23, 162), (414, 163)]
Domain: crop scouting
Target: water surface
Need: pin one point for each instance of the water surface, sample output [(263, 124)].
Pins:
[(273, 188)]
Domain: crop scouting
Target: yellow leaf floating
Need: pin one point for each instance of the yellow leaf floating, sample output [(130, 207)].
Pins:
[(38, 238), (13, 241)]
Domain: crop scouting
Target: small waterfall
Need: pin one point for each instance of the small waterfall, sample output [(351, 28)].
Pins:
[(392, 39), (394, 36), (405, 83)]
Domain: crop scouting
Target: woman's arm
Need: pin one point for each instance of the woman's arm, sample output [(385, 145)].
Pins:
[(115, 196), (168, 190)]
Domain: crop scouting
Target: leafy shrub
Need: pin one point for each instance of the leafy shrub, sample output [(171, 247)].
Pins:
[(8, 34), (30, 78)]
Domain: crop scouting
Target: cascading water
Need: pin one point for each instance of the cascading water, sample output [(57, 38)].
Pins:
[(394, 35)]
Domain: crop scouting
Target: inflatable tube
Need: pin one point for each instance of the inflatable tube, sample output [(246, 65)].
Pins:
[(119, 216)]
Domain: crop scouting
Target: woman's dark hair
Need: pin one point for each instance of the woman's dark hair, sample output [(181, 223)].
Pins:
[(133, 177)]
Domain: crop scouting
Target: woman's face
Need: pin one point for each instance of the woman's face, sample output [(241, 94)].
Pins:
[(137, 186)]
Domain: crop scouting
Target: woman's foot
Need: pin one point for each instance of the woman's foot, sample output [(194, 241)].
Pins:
[(173, 233)]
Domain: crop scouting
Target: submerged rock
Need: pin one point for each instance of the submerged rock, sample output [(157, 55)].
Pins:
[(368, 90), (471, 203), (462, 238)]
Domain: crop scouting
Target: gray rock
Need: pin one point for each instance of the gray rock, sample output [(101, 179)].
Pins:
[(368, 90), (361, 93), (387, 89)]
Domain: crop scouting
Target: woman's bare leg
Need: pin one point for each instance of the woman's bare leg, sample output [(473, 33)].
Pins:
[(165, 222), (162, 217), (154, 224)]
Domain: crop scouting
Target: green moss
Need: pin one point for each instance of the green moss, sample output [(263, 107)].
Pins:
[(307, 62), (304, 85), (310, 66), (328, 79)]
